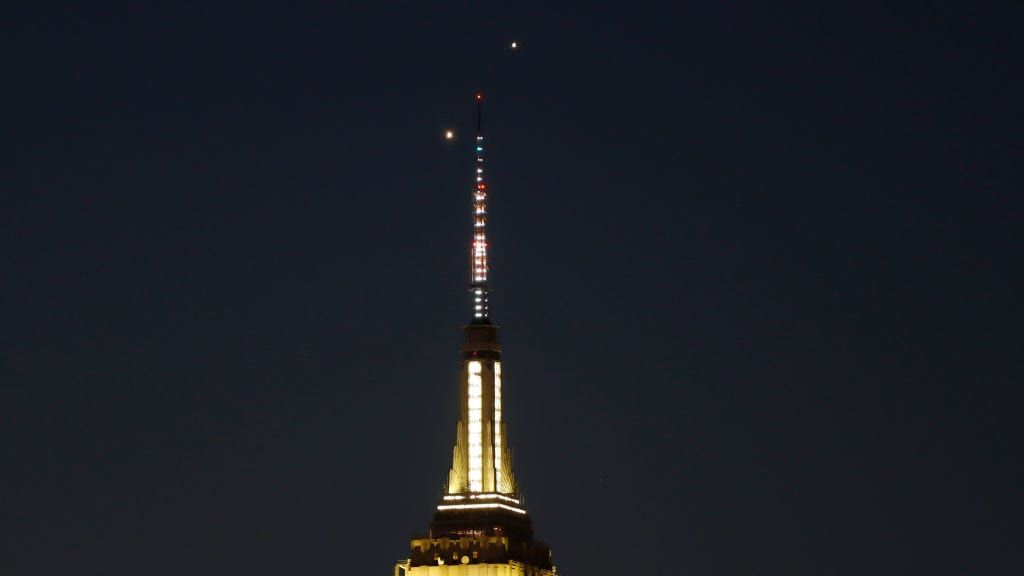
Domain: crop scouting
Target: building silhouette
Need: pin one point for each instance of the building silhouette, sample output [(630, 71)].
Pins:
[(480, 526)]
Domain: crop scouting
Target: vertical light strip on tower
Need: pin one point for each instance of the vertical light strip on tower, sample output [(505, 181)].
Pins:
[(479, 251), (476, 445), (497, 424)]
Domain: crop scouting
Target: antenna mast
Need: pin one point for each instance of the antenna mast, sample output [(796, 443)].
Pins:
[(478, 275)]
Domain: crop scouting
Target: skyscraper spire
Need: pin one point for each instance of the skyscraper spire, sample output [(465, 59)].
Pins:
[(482, 462), (478, 254), (480, 526)]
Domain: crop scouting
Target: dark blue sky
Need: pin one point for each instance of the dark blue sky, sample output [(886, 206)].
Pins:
[(757, 268)]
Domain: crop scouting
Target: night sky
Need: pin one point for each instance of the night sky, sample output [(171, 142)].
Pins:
[(757, 267)]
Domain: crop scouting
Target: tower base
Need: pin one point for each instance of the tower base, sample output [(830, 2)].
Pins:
[(478, 542)]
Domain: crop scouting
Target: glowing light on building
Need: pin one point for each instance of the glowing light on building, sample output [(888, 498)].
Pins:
[(475, 427), (479, 506), (497, 419), (481, 496)]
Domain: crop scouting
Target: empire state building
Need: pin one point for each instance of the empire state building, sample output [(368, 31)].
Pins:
[(480, 527)]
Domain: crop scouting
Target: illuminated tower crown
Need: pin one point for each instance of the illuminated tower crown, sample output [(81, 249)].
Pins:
[(480, 526)]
